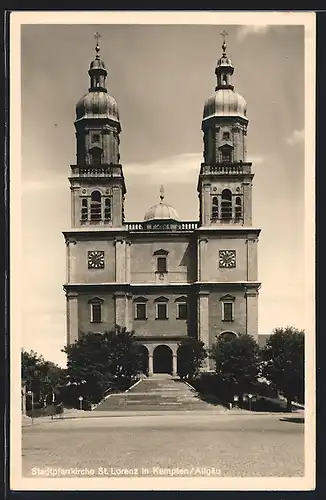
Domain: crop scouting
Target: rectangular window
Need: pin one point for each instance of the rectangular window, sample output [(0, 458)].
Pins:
[(161, 311), (141, 311), (226, 136), (96, 138), (227, 311), (96, 313), (161, 265), (182, 311), (226, 156)]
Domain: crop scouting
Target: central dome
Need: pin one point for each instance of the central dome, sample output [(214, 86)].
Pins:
[(161, 211), (225, 102)]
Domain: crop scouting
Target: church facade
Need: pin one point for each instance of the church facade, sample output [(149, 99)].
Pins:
[(162, 277)]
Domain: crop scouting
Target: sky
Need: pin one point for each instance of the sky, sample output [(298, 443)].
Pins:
[(161, 76)]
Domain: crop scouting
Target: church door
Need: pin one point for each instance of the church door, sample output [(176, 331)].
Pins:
[(162, 359)]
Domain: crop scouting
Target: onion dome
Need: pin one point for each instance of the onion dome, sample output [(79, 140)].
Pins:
[(225, 101), (161, 211), (97, 103)]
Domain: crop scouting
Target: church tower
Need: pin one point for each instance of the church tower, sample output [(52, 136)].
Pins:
[(226, 242), (97, 182)]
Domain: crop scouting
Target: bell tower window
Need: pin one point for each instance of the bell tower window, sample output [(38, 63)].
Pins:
[(96, 138), (96, 205), (84, 209), (238, 208), (226, 209), (214, 207), (107, 209), (226, 136)]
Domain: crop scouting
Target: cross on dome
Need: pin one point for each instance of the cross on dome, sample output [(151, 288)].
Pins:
[(97, 48), (224, 34), (162, 193)]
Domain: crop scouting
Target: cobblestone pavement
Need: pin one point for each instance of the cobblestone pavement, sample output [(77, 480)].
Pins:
[(227, 445)]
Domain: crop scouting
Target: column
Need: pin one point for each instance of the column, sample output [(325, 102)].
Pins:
[(72, 318), (203, 322), (174, 365), (120, 261), (201, 258), (252, 312), (150, 365)]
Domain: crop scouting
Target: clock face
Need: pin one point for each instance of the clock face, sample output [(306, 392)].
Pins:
[(227, 258), (96, 259)]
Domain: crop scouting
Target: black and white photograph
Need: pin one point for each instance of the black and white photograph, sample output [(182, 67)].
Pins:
[(162, 330)]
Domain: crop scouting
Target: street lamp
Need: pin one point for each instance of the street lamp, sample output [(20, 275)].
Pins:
[(30, 393), (250, 398)]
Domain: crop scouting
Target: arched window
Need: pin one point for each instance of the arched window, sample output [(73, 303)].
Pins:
[(96, 205), (107, 209), (84, 209), (214, 207), (226, 209), (238, 208)]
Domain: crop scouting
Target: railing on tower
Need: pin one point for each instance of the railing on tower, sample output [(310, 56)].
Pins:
[(161, 226), (226, 168)]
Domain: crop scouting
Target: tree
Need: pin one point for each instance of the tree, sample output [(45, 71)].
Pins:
[(101, 361), (40, 376), (237, 361), (283, 357), (191, 354)]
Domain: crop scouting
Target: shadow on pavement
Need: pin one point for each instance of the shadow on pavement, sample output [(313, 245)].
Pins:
[(294, 420)]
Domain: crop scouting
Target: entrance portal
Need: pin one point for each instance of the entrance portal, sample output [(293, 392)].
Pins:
[(162, 359)]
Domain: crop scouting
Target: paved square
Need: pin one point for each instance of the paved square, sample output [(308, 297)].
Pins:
[(248, 445)]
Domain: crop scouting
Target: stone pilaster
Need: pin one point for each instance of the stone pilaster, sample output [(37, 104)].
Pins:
[(72, 318), (120, 308), (201, 257), (207, 204), (203, 321), (252, 264), (70, 259), (120, 261), (247, 203), (128, 261), (252, 312), (128, 315)]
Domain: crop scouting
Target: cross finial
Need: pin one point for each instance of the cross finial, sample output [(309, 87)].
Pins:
[(162, 193), (97, 36), (224, 34)]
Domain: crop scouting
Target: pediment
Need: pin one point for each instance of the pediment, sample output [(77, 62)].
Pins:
[(140, 299), (161, 299), (161, 251), (95, 300), (183, 298), (227, 297)]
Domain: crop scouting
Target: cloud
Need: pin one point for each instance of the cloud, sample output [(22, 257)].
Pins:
[(183, 168), (296, 137), (255, 29)]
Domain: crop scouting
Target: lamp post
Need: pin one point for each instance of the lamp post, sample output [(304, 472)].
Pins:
[(250, 398), (80, 402), (30, 393)]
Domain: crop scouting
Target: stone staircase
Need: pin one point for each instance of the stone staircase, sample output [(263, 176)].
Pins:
[(158, 393)]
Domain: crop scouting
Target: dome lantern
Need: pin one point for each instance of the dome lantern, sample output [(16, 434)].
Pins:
[(97, 103), (225, 102)]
